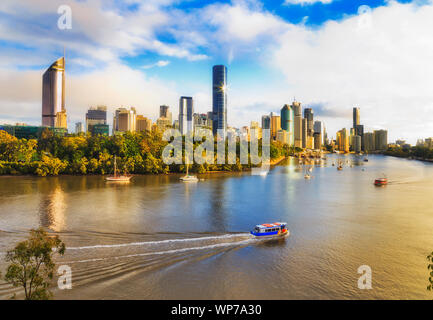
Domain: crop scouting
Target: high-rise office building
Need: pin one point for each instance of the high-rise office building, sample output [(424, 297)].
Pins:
[(266, 122), (275, 125), (368, 141), (309, 115), (256, 130), (317, 140), (356, 118), (94, 116), (53, 95), (163, 123), (219, 99), (78, 127), (356, 143), (343, 140), (186, 110), (297, 125), (287, 123), (143, 124), (125, 120), (381, 140), (320, 129), (304, 133), (164, 112)]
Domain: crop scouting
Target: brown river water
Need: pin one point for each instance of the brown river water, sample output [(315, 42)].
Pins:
[(160, 238)]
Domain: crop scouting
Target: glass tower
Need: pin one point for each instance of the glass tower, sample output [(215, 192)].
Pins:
[(219, 98)]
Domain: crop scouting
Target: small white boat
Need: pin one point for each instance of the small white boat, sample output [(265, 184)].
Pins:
[(307, 176), (116, 177), (263, 172), (188, 177)]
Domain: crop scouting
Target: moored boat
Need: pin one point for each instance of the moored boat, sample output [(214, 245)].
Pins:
[(188, 177), (270, 230), (381, 182), (118, 178)]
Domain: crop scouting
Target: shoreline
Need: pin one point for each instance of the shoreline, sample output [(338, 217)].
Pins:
[(272, 163), (409, 158)]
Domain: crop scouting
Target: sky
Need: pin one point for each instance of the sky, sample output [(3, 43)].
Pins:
[(331, 55)]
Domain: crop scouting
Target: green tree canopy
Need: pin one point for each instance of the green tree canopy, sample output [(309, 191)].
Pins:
[(31, 264)]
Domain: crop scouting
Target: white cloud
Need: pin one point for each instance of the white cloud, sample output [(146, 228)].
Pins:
[(305, 2), (114, 86), (383, 66), (160, 63)]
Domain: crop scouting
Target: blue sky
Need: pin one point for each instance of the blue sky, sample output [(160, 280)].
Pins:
[(332, 54)]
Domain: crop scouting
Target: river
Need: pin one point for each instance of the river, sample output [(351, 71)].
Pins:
[(159, 238)]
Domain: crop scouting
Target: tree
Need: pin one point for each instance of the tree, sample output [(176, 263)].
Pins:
[(32, 265), (430, 268)]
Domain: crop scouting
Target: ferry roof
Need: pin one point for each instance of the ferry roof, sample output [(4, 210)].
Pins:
[(270, 225)]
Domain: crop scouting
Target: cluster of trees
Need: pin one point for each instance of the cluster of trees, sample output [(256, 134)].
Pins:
[(139, 153), (415, 152)]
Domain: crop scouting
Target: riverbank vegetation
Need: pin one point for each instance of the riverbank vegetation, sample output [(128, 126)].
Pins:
[(417, 152), (136, 153)]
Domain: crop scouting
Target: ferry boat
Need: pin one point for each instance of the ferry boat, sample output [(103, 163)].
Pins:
[(380, 181), (270, 230)]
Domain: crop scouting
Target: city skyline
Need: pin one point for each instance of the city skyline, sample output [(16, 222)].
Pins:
[(264, 74)]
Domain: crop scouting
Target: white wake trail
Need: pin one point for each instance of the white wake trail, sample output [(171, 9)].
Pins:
[(212, 246), (227, 236)]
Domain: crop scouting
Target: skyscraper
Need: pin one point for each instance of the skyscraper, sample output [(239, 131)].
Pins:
[(124, 120), (309, 115), (266, 122), (275, 125), (143, 124), (287, 122), (219, 98), (381, 139), (304, 133), (94, 116), (78, 127), (356, 117), (319, 129), (186, 110), (164, 112), (53, 95), (297, 127)]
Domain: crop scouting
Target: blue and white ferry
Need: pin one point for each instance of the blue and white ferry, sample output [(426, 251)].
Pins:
[(271, 230)]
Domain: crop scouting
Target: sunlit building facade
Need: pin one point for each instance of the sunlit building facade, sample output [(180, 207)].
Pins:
[(297, 125), (124, 120), (275, 125), (53, 95), (186, 111), (143, 124)]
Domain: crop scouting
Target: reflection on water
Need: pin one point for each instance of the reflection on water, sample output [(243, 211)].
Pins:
[(52, 209), (158, 237)]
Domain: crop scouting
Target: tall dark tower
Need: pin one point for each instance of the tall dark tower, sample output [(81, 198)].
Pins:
[(219, 98), (355, 117)]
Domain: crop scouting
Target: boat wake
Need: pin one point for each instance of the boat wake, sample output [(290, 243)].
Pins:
[(160, 242)]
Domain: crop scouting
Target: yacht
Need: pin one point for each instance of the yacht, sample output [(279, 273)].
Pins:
[(118, 178), (188, 177)]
